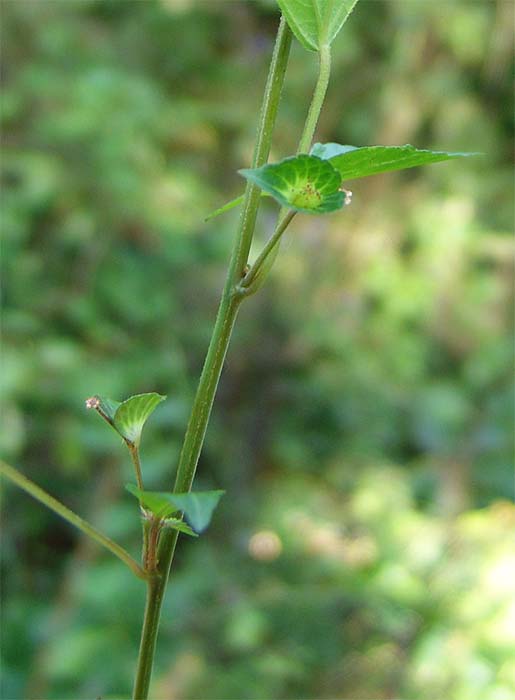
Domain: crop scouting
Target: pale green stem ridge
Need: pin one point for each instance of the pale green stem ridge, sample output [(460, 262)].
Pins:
[(50, 502), (213, 364)]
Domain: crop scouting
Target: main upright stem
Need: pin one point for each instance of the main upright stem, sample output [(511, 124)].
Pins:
[(203, 402), (232, 297)]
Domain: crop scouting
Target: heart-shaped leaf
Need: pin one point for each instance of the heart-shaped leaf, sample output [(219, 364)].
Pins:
[(157, 502), (197, 506), (353, 163), (129, 416), (316, 22), (303, 183)]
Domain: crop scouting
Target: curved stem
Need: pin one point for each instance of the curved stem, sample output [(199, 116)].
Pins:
[(270, 245), (317, 100), (50, 502), (213, 364)]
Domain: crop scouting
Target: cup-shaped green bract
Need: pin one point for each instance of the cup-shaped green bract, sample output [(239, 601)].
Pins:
[(316, 22), (303, 183), (127, 417), (312, 183)]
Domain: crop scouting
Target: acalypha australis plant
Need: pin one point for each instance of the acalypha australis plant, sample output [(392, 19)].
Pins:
[(309, 182)]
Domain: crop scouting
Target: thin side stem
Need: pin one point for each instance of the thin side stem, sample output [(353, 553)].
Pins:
[(134, 450), (50, 502), (270, 245), (211, 371), (324, 57)]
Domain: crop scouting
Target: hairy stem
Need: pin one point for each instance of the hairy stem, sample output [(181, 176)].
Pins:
[(208, 383), (50, 502)]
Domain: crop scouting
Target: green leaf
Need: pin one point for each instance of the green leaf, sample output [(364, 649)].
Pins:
[(303, 183), (129, 416), (157, 502), (316, 22), (180, 525), (225, 207), (329, 150), (197, 506), (353, 163), (229, 205), (312, 183), (132, 414)]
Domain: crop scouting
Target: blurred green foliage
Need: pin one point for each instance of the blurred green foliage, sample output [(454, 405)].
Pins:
[(363, 425)]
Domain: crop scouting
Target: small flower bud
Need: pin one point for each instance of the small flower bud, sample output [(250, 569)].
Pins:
[(93, 402), (348, 196)]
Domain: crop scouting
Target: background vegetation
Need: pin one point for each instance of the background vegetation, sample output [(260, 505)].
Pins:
[(362, 431)]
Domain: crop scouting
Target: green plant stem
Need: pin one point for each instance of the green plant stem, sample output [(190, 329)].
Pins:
[(251, 275), (229, 305), (50, 502), (134, 450), (324, 71), (232, 296), (271, 248), (270, 105), (191, 449), (154, 600)]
